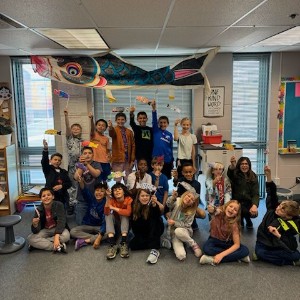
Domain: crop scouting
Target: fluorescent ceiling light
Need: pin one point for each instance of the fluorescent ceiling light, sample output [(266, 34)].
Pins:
[(75, 38), (287, 38)]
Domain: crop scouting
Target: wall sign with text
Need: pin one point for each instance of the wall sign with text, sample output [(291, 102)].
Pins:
[(214, 102)]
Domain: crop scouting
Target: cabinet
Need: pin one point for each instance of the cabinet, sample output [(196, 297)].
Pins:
[(210, 154), (8, 180)]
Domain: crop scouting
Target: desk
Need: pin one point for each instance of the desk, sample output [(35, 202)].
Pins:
[(211, 154)]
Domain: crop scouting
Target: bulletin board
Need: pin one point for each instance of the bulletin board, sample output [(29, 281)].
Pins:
[(289, 115)]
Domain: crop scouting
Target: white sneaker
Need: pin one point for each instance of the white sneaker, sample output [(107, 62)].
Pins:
[(207, 260), (153, 257), (197, 250), (245, 259)]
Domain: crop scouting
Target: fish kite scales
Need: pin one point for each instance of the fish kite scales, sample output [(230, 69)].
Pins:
[(112, 72)]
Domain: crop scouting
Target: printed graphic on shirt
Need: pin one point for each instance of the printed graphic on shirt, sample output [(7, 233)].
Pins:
[(146, 134)]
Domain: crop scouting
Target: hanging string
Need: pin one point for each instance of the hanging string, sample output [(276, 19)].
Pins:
[(103, 106)]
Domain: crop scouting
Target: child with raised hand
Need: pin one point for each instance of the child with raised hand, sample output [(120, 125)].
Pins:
[(57, 178), (276, 235), (93, 226), (89, 171), (73, 141), (245, 188), (123, 147), (162, 140), (139, 177), (102, 151), (117, 213), (186, 144), (143, 136), (159, 180), (147, 225), (49, 225), (224, 242), (182, 212), (218, 187)]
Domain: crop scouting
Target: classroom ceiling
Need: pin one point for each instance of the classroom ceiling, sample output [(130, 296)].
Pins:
[(148, 28)]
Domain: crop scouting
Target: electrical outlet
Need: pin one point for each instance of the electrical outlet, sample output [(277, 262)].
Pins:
[(297, 179)]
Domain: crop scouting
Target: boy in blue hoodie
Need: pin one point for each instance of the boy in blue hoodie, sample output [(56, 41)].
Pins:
[(162, 141), (93, 226)]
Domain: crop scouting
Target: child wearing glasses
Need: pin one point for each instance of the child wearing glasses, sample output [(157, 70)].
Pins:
[(218, 187)]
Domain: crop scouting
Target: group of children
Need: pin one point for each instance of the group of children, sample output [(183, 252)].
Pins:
[(138, 205)]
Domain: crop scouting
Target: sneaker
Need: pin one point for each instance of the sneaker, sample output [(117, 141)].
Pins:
[(207, 260), (165, 243), (62, 248), (249, 224), (30, 248), (197, 250), (254, 256), (153, 257), (97, 241), (79, 243), (296, 263), (112, 252), (124, 252), (245, 259)]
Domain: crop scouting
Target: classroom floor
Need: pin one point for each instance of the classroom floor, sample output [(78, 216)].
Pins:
[(88, 274)]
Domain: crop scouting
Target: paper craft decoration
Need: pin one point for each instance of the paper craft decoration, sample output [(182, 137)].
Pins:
[(52, 132), (112, 72), (118, 174), (297, 89)]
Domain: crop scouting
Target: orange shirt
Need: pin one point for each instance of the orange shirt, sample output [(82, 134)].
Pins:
[(101, 152), (124, 206)]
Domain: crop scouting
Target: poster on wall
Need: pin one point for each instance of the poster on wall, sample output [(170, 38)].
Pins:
[(214, 102)]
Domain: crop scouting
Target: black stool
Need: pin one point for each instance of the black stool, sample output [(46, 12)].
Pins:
[(11, 243)]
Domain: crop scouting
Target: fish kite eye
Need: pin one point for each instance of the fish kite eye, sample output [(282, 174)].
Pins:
[(74, 69)]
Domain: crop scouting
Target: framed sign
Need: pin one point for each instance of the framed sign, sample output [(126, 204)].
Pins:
[(214, 102)]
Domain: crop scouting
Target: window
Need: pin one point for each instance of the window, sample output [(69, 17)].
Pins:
[(249, 106), (127, 98), (34, 110)]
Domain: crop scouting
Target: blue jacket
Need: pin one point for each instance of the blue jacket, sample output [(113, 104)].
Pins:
[(95, 212), (162, 141)]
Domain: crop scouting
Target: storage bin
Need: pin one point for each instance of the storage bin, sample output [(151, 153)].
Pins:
[(212, 139)]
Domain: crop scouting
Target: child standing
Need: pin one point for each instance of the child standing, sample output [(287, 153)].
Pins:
[(117, 212), (224, 244), (245, 188), (186, 144), (183, 210), (162, 141), (142, 136), (136, 179), (93, 226), (89, 171), (73, 141), (123, 146), (147, 225), (56, 178), (102, 151), (49, 225), (218, 187), (276, 242), (159, 180)]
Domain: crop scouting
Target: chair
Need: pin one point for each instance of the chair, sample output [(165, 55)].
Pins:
[(11, 243)]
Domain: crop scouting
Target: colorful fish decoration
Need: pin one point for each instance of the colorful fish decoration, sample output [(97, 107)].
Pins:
[(112, 72), (61, 94), (52, 132), (144, 100), (89, 144), (174, 108), (120, 109), (118, 174), (81, 166)]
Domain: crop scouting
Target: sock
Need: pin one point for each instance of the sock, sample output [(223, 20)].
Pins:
[(112, 240)]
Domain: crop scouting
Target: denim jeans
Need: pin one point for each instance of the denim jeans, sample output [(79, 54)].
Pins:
[(276, 256), (215, 246), (80, 211)]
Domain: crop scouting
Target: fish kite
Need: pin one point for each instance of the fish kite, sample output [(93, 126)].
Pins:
[(112, 72), (52, 132), (174, 108), (89, 144), (144, 100), (117, 174), (120, 109), (61, 94), (81, 166)]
